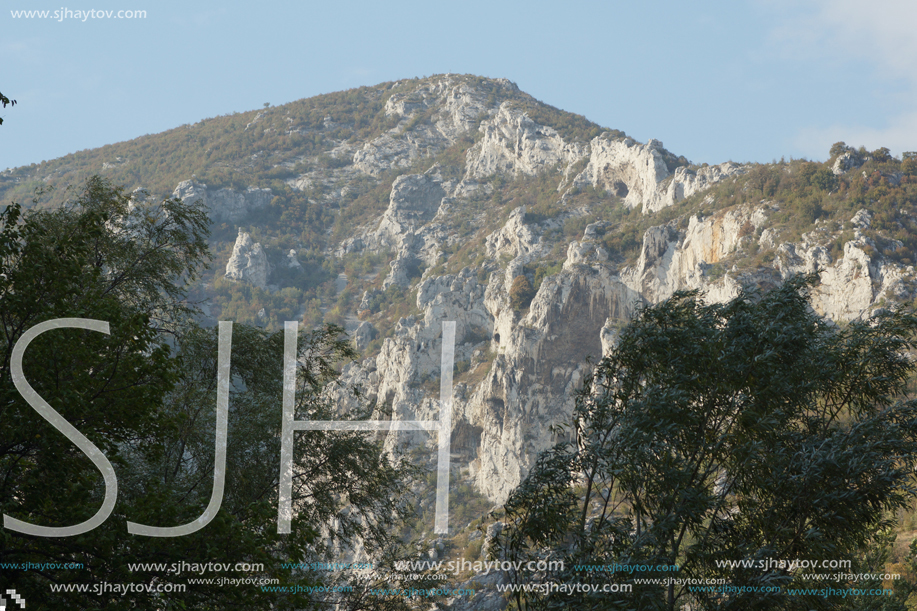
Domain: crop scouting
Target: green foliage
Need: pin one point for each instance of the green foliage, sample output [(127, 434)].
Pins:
[(837, 149), (94, 259), (544, 271), (144, 394), (748, 430), (345, 490), (808, 191)]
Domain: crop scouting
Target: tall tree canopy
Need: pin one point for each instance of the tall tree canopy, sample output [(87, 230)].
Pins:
[(145, 394), (750, 431)]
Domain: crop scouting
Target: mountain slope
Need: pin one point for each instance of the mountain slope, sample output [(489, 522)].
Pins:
[(390, 209)]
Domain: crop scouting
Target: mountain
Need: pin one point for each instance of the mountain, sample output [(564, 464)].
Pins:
[(392, 208)]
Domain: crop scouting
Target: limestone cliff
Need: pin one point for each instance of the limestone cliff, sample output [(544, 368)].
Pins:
[(248, 262), (225, 205), (518, 369), (430, 204)]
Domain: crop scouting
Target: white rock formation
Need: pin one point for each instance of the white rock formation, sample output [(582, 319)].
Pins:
[(248, 262), (514, 144), (414, 200), (517, 371), (849, 286), (455, 106), (364, 334), (638, 173), (846, 162), (539, 355), (225, 205)]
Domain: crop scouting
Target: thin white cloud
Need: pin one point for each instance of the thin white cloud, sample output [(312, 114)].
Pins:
[(883, 31), (881, 34), (900, 134)]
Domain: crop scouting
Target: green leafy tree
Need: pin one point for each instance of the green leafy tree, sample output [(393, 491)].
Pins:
[(751, 431), (838, 149), (100, 260), (347, 491), (145, 394), (882, 154)]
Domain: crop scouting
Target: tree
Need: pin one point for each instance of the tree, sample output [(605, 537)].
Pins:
[(100, 260), (521, 293), (4, 102), (838, 149), (882, 155), (750, 431), (145, 396)]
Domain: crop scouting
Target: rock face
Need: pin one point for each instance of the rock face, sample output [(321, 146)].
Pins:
[(459, 226), (454, 106), (537, 357), (517, 371), (849, 284), (639, 172), (514, 144), (414, 200), (364, 334), (248, 262), (225, 205), (428, 210), (847, 161)]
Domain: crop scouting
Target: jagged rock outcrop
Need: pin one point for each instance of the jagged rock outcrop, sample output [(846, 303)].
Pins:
[(455, 107), (405, 267), (463, 221), (514, 144), (515, 238), (538, 355), (686, 182), (849, 285), (638, 173), (846, 162), (672, 260), (414, 200), (248, 262), (517, 371), (626, 169), (225, 205), (364, 334)]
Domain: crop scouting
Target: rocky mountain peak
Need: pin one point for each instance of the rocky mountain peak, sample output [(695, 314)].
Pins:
[(392, 208)]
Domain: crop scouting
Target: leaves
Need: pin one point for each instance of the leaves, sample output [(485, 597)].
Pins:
[(145, 394), (4, 102), (747, 430)]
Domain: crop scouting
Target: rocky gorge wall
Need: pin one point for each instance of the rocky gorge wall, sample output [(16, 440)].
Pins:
[(518, 368)]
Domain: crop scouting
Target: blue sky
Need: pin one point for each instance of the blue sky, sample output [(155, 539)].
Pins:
[(752, 81)]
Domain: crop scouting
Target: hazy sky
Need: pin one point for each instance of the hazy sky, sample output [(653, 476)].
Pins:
[(714, 81)]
